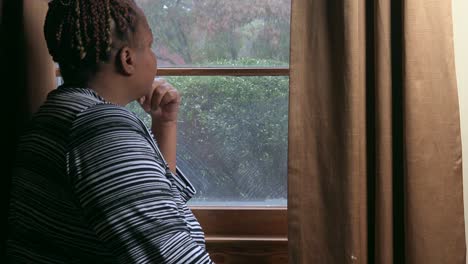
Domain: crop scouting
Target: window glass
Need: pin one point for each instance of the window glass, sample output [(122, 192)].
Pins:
[(232, 138), (206, 33)]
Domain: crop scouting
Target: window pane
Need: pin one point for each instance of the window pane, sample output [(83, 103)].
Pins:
[(232, 141), (219, 32)]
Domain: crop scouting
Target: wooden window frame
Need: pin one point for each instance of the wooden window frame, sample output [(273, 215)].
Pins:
[(244, 71), (245, 234)]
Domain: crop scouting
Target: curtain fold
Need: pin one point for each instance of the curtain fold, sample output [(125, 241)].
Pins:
[(374, 136), (432, 135)]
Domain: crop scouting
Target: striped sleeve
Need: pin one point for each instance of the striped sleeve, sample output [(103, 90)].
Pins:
[(123, 191)]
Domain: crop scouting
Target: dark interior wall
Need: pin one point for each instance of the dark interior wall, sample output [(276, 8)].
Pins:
[(13, 103)]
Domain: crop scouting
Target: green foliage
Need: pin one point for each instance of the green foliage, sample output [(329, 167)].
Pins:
[(246, 62)]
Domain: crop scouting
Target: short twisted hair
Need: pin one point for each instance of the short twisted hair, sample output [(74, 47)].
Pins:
[(80, 34)]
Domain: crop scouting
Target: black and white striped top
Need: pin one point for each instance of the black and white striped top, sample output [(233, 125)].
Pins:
[(90, 186)]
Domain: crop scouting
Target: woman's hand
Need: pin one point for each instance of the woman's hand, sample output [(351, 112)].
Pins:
[(162, 102)]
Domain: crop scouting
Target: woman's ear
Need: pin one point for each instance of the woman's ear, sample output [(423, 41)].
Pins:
[(125, 61)]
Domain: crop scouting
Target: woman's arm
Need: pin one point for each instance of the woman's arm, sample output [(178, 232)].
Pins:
[(162, 103), (166, 137)]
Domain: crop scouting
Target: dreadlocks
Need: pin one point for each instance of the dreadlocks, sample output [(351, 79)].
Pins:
[(81, 33)]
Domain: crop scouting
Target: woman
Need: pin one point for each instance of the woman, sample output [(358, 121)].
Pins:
[(91, 184)]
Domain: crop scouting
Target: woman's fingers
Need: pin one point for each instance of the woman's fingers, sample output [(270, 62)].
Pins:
[(162, 97), (149, 99), (171, 96), (159, 92)]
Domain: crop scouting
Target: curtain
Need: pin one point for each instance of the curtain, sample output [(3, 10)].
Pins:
[(374, 137), (27, 75)]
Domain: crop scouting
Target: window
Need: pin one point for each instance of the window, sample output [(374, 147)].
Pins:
[(229, 59)]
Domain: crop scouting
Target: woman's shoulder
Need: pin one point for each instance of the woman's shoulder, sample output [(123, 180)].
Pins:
[(107, 114)]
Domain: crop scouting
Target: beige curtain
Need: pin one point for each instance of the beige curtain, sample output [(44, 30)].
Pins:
[(374, 136), (27, 75)]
